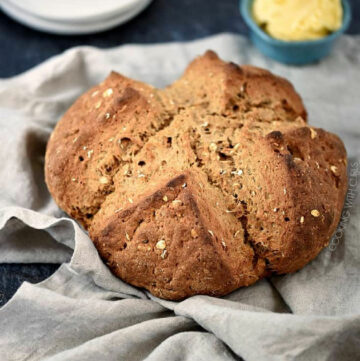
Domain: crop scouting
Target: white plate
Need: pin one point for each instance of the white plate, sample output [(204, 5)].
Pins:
[(65, 28), (75, 11)]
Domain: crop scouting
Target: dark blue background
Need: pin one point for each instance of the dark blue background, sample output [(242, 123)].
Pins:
[(164, 20)]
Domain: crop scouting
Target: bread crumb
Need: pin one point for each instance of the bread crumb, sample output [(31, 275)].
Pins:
[(237, 172), (213, 147), (163, 254), (143, 247), (161, 244), (313, 133), (211, 232), (107, 92), (193, 233), (103, 180), (334, 169), (302, 219), (127, 236), (165, 199), (315, 213)]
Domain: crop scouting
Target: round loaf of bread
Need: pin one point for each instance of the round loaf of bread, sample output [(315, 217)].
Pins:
[(202, 187)]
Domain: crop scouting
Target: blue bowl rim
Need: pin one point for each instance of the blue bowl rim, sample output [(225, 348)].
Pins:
[(247, 16)]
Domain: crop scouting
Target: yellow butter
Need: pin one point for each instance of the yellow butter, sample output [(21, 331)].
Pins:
[(298, 19)]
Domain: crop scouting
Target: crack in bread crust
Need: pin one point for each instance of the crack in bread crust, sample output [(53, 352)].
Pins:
[(202, 187)]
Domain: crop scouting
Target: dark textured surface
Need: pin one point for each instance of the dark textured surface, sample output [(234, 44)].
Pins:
[(13, 275), (163, 21), (22, 48)]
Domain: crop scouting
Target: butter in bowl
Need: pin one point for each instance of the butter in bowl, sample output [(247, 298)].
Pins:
[(295, 32)]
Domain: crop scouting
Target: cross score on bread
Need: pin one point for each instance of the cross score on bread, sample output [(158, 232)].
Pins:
[(202, 187)]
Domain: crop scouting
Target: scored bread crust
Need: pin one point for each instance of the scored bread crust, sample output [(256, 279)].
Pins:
[(202, 187)]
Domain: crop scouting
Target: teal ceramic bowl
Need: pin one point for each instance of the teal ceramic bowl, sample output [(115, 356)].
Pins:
[(292, 52)]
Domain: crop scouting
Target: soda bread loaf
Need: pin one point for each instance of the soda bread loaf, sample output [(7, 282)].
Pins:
[(202, 187)]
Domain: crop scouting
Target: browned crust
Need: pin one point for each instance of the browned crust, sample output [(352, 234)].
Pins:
[(221, 168), (195, 259)]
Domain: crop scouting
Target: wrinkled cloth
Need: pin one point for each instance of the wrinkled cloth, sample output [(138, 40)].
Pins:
[(83, 312)]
